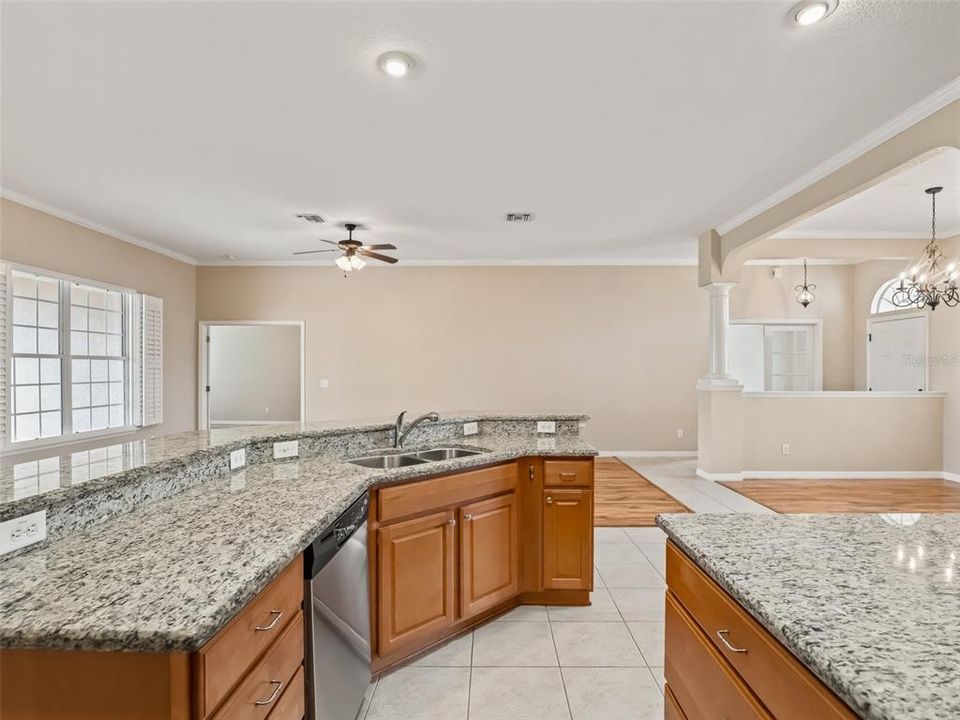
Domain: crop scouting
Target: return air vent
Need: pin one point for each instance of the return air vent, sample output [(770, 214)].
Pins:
[(519, 217), (312, 218)]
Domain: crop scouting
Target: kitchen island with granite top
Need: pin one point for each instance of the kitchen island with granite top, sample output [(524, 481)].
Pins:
[(171, 586), (813, 616)]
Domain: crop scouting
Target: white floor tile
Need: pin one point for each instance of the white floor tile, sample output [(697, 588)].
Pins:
[(612, 694), (656, 553), (595, 645), (455, 653), (424, 693), (631, 575), (511, 694), (524, 613), (623, 552), (639, 604), (597, 579), (649, 638), (646, 535), (609, 534), (657, 673), (514, 644), (601, 609)]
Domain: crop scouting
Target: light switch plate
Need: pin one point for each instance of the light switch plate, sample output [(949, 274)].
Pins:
[(238, 458), (546, 426), (288, 449), (23, 531), (471, 428), (785, 449)]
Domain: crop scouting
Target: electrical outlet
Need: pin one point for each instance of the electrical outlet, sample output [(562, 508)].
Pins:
[(288, 449), (324, 384), (471, 428), (546, 426), (238, 458), (679, 432), (785, 449), (22, 531), (266, 410)]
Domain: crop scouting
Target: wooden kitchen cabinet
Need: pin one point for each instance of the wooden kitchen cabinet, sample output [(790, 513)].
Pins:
[(567, 539), (416, 580), (489, 557)]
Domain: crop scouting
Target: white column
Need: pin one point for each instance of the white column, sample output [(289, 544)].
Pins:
[(719, 369)]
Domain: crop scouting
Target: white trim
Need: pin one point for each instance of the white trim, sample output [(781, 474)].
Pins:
[(203, 419), (43, 207), (719, 384), (59, 441), (648, 453), (842, 474), (911, 116), (850, 394), (860, 234), (812, 262), (718, 477), (894, 317), (69, 278), (253, 422), (951, 477), (565, 262)]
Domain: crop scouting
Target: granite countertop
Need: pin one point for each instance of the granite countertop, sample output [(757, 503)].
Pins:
[(169, 575), (869, 603)]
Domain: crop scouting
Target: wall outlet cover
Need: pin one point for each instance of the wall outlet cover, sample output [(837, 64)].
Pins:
[(23, 531), (785, 449), (238, 458), (324, 383), (288, 449), (679, 432), (546, 426), (471, 428)]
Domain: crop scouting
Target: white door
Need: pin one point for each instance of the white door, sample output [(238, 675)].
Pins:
[(789, 358), (896, 349)]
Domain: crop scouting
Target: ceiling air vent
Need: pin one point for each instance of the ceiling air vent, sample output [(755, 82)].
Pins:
[(312, 218), (519, 217)]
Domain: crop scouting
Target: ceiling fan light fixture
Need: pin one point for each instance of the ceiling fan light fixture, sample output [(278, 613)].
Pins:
[(343, 262)]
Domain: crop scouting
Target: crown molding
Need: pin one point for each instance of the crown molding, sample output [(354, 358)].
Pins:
[(859, 235), (937, 100), (574, 262), (43, 207), (789, 262)]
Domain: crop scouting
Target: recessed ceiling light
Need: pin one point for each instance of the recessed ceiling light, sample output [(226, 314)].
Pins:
[(395, 64), (811, 12)]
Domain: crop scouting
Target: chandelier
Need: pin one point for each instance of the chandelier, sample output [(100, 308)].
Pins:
[(930, 281), (804, 292)]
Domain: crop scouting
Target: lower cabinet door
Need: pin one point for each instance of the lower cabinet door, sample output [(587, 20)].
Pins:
[(567, 539), (489, 554), (415, 568)]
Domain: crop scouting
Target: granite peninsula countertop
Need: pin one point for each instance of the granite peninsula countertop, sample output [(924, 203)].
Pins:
[(869, 603), (167, 576)]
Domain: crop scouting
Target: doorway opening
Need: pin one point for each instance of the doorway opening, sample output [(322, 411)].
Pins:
[(251, 373)]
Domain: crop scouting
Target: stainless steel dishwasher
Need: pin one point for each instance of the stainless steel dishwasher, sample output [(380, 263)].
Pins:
[(338, 617)]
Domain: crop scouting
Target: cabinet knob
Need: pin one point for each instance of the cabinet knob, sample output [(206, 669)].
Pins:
[(468, 516), (531, 472), (452, 521), (549, 500)]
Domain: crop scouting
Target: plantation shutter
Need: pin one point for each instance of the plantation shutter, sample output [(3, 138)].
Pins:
[(151, 360), (4, 361)]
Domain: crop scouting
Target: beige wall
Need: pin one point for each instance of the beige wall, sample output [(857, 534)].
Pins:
[(842, 434), (254, 373), (624, 345), (33, 238), (759, 296)]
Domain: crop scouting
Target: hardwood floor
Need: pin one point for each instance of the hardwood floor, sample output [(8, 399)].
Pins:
[(852, 496), (623, 497)]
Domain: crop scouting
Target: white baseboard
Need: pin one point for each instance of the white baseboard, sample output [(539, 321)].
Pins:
[(719, 477), (952, 477), (649, 453), (842, 474)]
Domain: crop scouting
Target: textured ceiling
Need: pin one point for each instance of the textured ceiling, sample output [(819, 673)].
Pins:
[(626, 128)]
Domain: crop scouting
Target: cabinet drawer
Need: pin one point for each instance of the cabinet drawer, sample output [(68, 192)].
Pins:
[(442, 492), (671, 708), (292, 702), (224, 659), (568, 473), (783, 684), (260, 691), (702, 682)]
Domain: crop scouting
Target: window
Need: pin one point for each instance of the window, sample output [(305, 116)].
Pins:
[(73, 350), (882, 301)]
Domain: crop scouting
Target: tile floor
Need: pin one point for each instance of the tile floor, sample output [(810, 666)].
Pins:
[(602, 662)]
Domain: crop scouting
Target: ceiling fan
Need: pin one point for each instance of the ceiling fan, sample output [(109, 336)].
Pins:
[(352, 251)]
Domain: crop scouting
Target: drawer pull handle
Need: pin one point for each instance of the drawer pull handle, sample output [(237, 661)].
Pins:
[(722, 634), (568, 476), (276, 691), (277, 614), (549, 500)]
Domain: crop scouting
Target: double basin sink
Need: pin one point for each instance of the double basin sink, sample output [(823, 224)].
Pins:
[(403, 458)]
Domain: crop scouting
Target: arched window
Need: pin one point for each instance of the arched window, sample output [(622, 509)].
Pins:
[(882, 301)]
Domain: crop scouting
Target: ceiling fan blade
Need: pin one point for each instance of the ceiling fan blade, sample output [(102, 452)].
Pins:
[(376, 256), (386, 246), (329, 242), (311, 252)]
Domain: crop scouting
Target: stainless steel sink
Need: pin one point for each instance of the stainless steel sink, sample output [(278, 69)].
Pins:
[(437, 454), (386, 462)]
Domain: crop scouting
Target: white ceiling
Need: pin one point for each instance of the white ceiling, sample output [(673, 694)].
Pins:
[(896, 207), (627, 128)]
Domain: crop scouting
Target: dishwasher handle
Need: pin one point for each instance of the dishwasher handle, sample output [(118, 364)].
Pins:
[(321, 551)]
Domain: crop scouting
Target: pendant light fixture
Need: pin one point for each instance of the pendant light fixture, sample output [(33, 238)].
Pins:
[(931, 280), (805, 294)]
